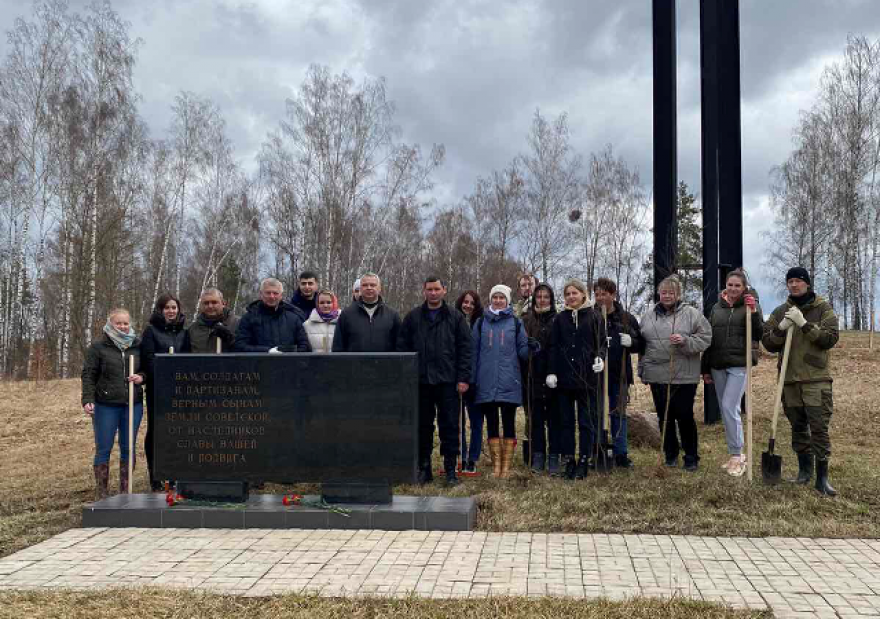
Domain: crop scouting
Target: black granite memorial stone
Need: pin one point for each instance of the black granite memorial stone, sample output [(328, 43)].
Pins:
[(287, 418)]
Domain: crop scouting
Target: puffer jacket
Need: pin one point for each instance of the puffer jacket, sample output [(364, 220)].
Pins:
[(357, 331), (657, 326), (809, 359), (499, 345), (574, 346), (105, 372), (320, 332), (728, 322), (159, 337), (444, 344), (263, 328)]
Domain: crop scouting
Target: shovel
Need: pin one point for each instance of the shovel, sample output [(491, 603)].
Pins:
[(771, 464), (527, 442), (605, 455)]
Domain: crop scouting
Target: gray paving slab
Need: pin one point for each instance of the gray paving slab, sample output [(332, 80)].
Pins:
[(794, 577)]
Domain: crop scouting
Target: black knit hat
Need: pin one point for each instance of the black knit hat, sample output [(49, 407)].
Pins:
[(799, 273)]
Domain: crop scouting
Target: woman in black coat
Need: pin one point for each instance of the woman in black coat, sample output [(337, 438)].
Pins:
[(470, 305), (164, 333), (538, 321)]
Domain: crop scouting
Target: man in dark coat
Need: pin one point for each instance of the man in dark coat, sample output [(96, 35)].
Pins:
[(441, 336), (306, 294), (270, 324), (624, 338), (367, 325), (214, 329)]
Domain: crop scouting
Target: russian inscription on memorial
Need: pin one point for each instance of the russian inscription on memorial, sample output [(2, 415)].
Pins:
[(286, 418)]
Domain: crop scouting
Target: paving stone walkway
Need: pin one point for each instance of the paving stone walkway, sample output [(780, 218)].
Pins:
[(796, 577)]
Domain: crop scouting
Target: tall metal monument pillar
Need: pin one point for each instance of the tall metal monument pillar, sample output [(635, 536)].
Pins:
[(722, 154), (665, 145)]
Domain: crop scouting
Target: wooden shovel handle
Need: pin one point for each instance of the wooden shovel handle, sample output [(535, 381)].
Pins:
[(131, 449), (749, 393), (777, 404)]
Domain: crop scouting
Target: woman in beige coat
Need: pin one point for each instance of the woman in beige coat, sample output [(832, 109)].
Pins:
[(674, 335), (321, 323)]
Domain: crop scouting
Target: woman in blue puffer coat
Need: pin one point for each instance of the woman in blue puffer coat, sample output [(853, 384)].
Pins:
[(500, 342)]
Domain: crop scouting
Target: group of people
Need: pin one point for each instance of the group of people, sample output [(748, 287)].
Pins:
[(490, 361)]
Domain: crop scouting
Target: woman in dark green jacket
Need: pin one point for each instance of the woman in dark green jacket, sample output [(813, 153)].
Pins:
[(724, 362), (105, 379)]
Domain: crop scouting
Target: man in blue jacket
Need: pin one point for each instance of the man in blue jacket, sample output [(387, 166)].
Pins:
[(441, 336), (271, 324)]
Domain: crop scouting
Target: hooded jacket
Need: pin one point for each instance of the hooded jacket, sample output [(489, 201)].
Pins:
[(809, 359), (263, 328), (539, 325), (159, 337), (657, 327), (444, 344), (201, 336), (357, 331), (499, 346), (728, 322), (320, 333), (303, 305), (105, 372), (575, 343)]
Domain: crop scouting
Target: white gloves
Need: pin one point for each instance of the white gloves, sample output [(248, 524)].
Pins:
[(784, 324), (274, 351), (551, 381), (625, 340), (795, 315), (598, 365)]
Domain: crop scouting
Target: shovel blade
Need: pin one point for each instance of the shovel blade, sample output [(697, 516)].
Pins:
[(605, 459), (527, 451), (771, 468)]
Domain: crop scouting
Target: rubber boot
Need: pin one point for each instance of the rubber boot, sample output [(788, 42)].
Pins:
[(123, 475), (508, 447), (570, 467), (805, 469), (495, 454), (553, 465), (426, 476), (537, 462), (102, 481), (450, 462), (822, 484)]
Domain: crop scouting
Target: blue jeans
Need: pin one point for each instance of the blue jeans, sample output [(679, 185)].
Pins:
[(109, 418), (474, 447)]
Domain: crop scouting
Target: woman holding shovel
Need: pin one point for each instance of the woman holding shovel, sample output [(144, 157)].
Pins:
[(724, 362), (674, 335), (470, 305), (105, 380)]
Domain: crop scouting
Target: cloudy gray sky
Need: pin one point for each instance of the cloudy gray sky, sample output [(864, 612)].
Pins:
[(470, 73)]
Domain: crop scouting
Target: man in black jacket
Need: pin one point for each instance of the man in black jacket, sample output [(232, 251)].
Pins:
[(441, 336), (624, 339), (305, 296), (270, 324), (367, 325)]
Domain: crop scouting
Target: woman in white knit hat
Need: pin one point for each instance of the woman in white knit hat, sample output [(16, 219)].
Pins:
[(500, 342)]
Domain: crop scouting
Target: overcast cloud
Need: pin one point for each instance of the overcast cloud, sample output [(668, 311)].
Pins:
[(470, 74)]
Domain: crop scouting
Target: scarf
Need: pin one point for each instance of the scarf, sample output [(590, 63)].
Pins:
[(805, 298), (542, 310), (331, 315), (122, 340)]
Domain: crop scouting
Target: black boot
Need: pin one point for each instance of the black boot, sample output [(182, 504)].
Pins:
[(570, 467), (537, 462), (622, 461), (822, 484), (553, 465), (583, 466), (450, 461), (425, 474), (805, 469)]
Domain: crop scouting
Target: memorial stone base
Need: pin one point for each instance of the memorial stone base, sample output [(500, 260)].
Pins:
[(266, 511)]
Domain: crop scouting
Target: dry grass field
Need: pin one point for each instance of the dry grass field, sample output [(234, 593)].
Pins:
[(46, 448), (157, 603)]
